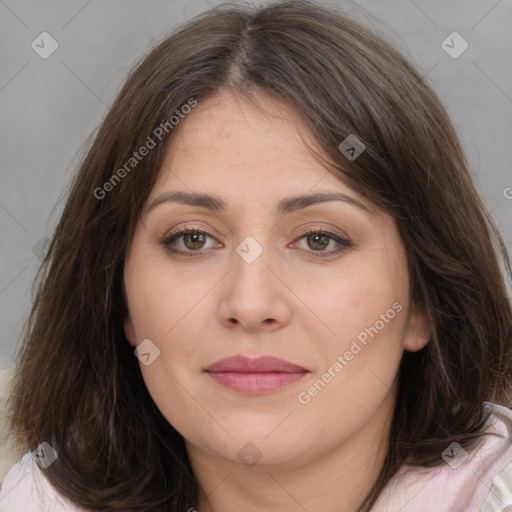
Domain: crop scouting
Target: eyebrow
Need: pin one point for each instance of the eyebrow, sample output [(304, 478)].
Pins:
[(285, 206)]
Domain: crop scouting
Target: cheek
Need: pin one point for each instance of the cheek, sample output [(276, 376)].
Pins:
[(170, 314), (363, 320), (160, 301), (362, 298)]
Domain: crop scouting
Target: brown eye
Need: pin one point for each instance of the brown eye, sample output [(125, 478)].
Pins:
[(194, 241), (318, 241), (188, 242)]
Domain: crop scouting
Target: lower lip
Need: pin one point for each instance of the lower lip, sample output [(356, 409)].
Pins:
[(252, 383)]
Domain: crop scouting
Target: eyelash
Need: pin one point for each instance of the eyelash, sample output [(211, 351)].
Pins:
[(344, 244)]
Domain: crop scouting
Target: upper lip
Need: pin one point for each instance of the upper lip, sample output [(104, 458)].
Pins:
[(260, 364)]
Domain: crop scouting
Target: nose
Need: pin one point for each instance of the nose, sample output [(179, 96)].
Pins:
[(254, 298)]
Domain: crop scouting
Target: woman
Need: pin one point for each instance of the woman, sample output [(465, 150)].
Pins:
[(276, 218)]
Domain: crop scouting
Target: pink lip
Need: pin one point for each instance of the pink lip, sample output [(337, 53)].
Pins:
[(252, 376)]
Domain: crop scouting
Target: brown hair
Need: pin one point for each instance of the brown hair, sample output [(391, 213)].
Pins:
[(78, 385)]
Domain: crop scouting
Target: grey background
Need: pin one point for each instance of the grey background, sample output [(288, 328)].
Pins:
[(49, 107)]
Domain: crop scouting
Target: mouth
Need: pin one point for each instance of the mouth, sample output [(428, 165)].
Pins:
[(254, 376)]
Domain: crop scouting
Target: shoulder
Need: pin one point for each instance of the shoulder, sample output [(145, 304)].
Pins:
[(499, 498), (478, 481), (25, 488)]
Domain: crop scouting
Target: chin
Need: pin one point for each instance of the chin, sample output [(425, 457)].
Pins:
[(264, 445)]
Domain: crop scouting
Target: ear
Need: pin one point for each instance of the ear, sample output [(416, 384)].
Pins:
[(129, 331), (417, 332)]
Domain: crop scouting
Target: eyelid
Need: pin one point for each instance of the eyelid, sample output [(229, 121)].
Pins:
[(319, 229), (186, 227)]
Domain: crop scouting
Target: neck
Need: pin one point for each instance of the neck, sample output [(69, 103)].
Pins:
[(338, 480)]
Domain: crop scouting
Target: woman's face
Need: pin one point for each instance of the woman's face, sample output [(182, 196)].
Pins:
[(283, 260)]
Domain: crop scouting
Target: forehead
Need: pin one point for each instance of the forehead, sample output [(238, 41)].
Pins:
[(229, 112), (229, 143)]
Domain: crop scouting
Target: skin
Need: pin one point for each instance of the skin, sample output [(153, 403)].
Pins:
[(324, 455)]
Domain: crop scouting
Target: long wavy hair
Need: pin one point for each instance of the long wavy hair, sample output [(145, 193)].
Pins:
[(78, 385)]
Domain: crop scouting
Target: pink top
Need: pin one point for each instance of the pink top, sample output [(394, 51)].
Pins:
[(478, 481)]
